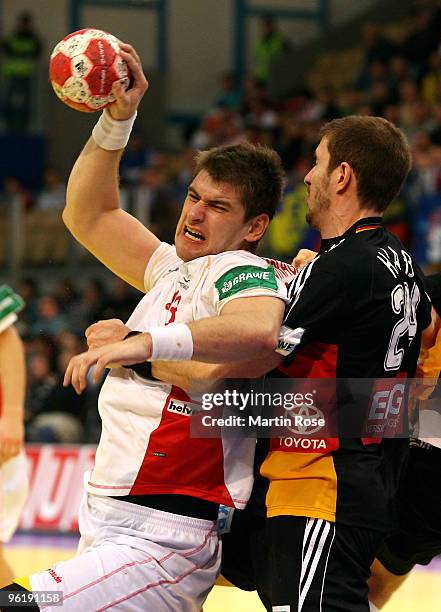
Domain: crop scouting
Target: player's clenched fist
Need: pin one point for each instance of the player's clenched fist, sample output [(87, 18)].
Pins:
[(303, 257), (106, 332), (127, 101)]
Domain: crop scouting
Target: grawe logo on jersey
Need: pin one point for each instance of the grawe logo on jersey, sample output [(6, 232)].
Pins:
[(180, 408), (242, 278)]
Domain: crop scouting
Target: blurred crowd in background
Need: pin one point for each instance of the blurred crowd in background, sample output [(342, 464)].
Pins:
[(395, 76)]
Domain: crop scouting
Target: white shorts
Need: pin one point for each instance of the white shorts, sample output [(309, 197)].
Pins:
[(13, 493), (132, 558)]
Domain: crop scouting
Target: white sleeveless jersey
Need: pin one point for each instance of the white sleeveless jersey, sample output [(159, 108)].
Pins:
[(146, 446)]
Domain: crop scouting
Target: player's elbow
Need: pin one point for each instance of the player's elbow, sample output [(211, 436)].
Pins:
[(70, 219), (67, 218), (74, 223), (268, 337)]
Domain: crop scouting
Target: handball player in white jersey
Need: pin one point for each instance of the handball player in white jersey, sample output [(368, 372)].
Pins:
[(148, 521), (13, 471)]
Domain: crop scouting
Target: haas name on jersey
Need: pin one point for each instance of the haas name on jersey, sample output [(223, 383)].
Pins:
[(394, 263)]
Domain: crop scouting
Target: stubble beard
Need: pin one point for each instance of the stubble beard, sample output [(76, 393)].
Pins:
[(321, 204)]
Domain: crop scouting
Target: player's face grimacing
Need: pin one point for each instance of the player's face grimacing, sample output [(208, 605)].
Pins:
[(317, 182), (212, 220)]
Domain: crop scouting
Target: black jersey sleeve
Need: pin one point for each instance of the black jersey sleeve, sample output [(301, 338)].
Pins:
[(319, 306), (433, 288)]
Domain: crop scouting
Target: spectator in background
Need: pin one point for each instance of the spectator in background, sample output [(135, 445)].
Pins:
[(50, 321), (425, 194), (427, 162), (434, 238), (40, 345), (399, 72), (431, 82), (67, 295), (28, 290), (377, 47), (232, 127), (41, 380), (351, 101), (263, 116), (54, 412), (392, 113), (270, 45), (53, 194), (68, 341), (90, 307), (375, 73), (230, 96), (136, 157), (21, 50), (423, 38), (409, 99), (122, 301), (379, 98), (184, 171), (436, 129), (16, 194), (206, 135), (254, 95), (153, 203), (327, 108), (290, 146)]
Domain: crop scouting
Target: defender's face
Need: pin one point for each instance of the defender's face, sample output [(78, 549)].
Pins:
[(317, 181), (212, 219)]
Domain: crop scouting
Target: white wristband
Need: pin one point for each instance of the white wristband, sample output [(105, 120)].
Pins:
[(111, 134), (171, 343)]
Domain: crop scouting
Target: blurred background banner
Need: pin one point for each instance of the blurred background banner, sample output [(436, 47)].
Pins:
[(56, 487)]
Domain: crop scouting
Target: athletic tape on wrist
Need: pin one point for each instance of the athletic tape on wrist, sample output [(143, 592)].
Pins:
[(171, 343), (143, 369), (111, 134)]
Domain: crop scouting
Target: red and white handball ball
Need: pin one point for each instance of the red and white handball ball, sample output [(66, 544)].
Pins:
[(83, 67)]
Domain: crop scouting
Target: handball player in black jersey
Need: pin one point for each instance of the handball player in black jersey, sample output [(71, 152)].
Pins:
[(316, 519)]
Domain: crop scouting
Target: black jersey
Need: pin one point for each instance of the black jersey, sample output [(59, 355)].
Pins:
[(359, 309), (433, 288)]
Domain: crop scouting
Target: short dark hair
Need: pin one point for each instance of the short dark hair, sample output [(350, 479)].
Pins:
[(376, 150), (255, 170)]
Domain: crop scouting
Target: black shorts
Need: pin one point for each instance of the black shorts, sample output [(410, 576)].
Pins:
[(418, 537), (308, 564)]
